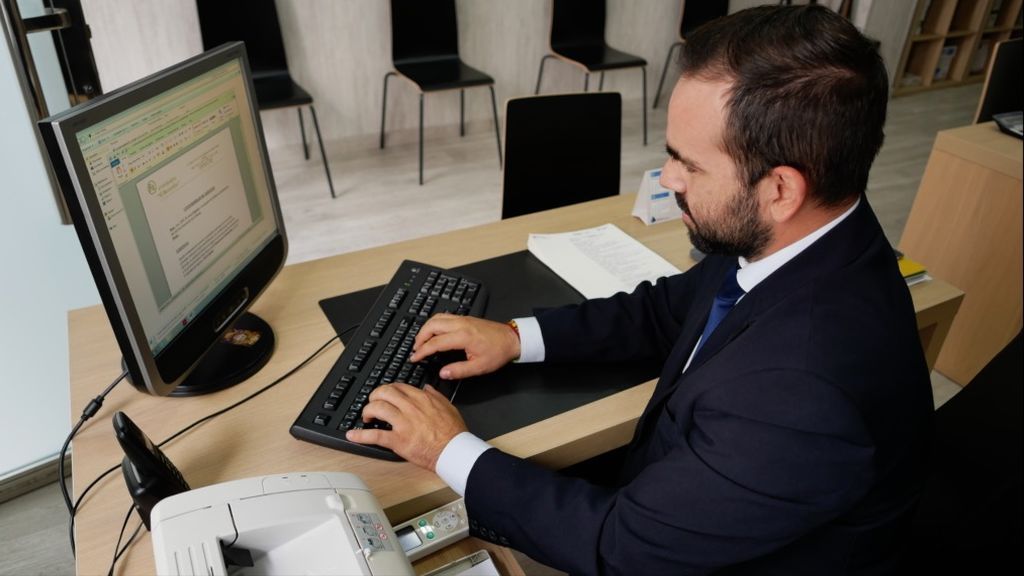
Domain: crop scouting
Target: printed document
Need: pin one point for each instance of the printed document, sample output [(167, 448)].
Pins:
[(599, 262)]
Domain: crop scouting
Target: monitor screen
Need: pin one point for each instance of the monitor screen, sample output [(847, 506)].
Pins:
[(173, 200)]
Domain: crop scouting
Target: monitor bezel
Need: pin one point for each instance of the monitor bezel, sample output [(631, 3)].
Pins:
[(161, 373)]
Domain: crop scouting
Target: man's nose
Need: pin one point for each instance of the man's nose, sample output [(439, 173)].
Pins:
[(669, 180)]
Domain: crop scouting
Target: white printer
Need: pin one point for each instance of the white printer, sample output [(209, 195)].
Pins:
[(299, 523)]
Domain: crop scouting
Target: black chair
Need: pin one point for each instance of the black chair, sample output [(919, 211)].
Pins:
[(255, 23), (425, 50), (577, 37), (1002, 91), (968, 520), (560, 150), (692, 15)]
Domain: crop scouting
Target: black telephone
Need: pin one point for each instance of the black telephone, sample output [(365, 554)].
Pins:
[(149, 475)]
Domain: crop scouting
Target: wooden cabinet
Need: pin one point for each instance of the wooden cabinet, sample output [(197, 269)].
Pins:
[(966, 228), (950, 42)]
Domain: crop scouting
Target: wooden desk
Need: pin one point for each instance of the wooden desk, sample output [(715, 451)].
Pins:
[(965, 227), (254, 440)]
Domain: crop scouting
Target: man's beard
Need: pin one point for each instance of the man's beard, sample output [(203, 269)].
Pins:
[(739, 232)]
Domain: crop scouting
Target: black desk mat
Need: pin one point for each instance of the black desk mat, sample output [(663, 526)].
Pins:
[(519, 394)]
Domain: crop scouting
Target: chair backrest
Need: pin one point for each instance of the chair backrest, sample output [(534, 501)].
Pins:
[(577, 23), (423, 29), (696, 13), (1002, 91), (251, 21), (969, 517), (560, 150)]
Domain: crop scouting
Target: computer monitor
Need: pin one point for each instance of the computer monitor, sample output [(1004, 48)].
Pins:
[(1002, 92), (173, 201)]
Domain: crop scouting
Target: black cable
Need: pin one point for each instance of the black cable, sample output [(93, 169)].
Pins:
[(118, 550), (258, 392), (233, 525), (90, 410), (81, 497)]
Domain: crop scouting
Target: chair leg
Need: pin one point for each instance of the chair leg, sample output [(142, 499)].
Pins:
[(643, 99), (323, 154), (497, 129), (586, 81), (600, 84), (421, 138), (302, 129), (540, 73), (462, 112), (664, 71), (384, 107)]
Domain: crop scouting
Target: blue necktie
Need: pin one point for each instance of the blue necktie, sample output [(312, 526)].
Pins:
[(728, 294)]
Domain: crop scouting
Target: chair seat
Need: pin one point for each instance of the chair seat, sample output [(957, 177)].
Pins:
[(278, 90), (442, 74), (599, 57)]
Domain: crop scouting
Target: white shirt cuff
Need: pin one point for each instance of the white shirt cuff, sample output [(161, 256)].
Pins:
[(531, 341), (457, 460)]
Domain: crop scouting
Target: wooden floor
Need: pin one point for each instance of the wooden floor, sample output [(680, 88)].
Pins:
[(379, 202)]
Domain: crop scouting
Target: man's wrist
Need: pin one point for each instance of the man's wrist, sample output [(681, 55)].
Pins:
[(457, 459), (531, 341), (518, 341)]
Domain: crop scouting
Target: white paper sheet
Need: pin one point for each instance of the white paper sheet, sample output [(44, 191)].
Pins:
[(601, 261)]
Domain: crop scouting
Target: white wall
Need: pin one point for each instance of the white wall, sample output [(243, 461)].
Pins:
[(44, 275), (339, 50)]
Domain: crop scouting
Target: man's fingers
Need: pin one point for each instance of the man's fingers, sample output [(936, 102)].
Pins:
[(381, 410), (369, 436), (438, 324), (395, 393), (440, 343), (460, 370)]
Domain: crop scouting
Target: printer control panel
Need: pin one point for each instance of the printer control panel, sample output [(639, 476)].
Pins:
[(434, 530), (370, 532)]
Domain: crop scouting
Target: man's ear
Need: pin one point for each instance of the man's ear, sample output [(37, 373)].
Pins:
[(783, 192)]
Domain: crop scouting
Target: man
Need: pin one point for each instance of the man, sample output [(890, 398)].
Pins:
[(788, 431)]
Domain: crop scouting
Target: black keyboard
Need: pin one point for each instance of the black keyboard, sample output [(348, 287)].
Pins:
[(378, 353)]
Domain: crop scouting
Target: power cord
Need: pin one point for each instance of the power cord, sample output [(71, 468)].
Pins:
[(81, 497), (118, 550), (90, 410)]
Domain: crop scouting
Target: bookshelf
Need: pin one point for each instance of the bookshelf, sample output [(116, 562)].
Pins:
[(950, 42)]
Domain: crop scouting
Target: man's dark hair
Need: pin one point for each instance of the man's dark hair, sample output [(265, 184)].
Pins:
[(809, 91)]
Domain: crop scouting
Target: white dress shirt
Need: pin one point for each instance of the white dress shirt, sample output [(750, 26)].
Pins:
[(461, 453)]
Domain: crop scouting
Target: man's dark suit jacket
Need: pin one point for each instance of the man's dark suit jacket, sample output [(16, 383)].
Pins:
[(795, 443)]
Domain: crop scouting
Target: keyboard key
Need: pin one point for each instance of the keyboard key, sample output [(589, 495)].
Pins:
[(321, 419)]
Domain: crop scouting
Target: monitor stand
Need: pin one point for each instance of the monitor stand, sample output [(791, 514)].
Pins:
[(238, 354)]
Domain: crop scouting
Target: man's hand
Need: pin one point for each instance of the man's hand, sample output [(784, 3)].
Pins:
[(422, 423), (488, 345)]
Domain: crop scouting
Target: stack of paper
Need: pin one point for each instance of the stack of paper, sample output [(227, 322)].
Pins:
[(601, 261), (913, 272)]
